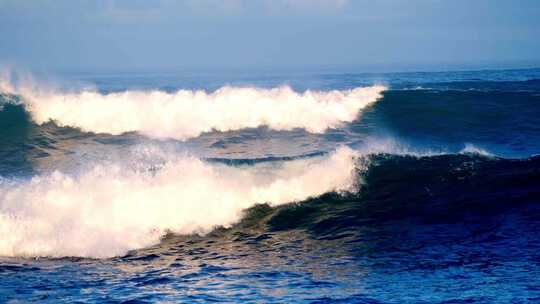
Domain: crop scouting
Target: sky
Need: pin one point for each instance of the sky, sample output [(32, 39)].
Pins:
[(250, 34)]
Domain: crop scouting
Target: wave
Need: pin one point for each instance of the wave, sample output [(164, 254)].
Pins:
[(109, 209), (186, 114), (401, 193), (472, 149)]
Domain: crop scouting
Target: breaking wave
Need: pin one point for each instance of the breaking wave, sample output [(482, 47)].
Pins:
[(110, 209), (186, 114)]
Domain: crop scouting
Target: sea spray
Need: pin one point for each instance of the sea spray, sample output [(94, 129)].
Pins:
[(111, 209), (186, 114)]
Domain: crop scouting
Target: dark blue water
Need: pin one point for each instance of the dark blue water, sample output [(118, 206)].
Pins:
[(447, 208)]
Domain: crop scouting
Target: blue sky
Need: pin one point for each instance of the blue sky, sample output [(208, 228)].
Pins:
[(245, 34)]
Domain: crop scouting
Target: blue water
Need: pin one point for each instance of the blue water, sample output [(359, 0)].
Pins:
[(448, 210)]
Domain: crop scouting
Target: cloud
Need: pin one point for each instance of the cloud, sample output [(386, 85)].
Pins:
[(267, 6), (136, 11), (307, 5), (225, 6)]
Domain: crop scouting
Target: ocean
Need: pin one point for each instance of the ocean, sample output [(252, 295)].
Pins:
[(270, 187)]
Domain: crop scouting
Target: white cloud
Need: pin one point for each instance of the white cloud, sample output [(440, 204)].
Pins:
[(272, 7), (307, 5), (226, 6)]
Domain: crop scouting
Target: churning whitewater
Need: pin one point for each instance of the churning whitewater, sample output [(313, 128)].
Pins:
[(113, 208), (435, 183), (188, 113)]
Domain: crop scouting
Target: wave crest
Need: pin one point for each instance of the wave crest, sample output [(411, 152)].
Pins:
[(111, 209), (185, 114)]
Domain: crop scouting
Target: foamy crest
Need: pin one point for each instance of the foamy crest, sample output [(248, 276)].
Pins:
[(472, 149), (111, 209), (185, 113)]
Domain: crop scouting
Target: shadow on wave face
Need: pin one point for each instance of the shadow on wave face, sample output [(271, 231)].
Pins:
[(406, 190)]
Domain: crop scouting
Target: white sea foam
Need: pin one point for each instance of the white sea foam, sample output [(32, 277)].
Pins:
[(110, 209), (472, 149), (395, 146), (185, 113)]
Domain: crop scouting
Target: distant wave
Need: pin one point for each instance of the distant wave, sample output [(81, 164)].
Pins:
[(185, 114), (472, 149), (110, 209)]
